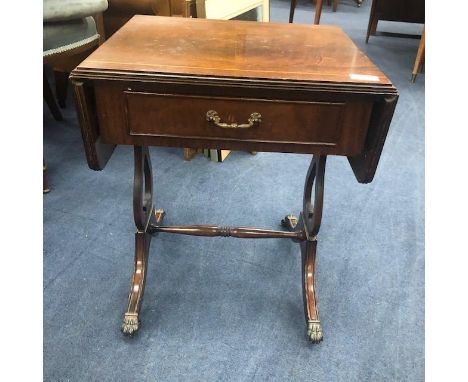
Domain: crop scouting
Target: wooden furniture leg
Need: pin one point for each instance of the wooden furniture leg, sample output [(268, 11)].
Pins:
[(144, 214), (318, 11), (45, 183), (335, 5), (372, 26), (50, 99), (314, 328), (419, 56), (304, 230), (309, 221), (291, 10)]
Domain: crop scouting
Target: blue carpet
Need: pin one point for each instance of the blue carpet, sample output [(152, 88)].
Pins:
[(219, 309)]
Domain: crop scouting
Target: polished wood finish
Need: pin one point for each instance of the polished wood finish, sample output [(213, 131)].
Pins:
[(120, 11), (240, 232), (153, 48), (144, 215), (308, 223), (419, 56), (235, 85), (263, 64), (365, 164), (97, 152), (169, 120)]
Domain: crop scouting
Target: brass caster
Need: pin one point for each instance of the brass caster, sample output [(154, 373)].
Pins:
[(130, 324), (314, 331)]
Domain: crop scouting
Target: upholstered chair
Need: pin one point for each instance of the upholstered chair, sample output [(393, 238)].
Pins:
[(71, 31)]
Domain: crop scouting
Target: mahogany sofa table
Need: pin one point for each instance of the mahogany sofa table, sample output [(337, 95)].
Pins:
[(234, 85)]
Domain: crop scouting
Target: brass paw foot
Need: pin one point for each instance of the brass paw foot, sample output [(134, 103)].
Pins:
[(314, 331), (290, 222), (130, 323)]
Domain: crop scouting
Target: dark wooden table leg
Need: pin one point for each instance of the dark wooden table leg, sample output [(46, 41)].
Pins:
[(309, 221), (144, 214)]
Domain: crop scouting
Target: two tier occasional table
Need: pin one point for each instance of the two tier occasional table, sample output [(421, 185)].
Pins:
[(235, 85)]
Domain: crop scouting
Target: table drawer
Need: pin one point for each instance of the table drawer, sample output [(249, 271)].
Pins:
[(326, 124)]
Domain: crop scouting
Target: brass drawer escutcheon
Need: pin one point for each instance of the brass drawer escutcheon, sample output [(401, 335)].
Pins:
[(213, 116)]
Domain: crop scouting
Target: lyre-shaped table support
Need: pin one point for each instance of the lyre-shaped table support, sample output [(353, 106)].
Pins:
[(149, 221), (144, 214)]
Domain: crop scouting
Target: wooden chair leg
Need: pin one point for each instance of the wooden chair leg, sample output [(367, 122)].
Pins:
[(419, 56), (50, 99), (318, 11), (335, 5), (61, 86), (291, 10)]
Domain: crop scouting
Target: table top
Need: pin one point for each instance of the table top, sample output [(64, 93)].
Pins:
[(247, 61), (235, 49)]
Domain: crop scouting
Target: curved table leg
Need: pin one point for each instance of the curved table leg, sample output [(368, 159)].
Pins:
[(131, 322), (309, 222), (314, 329), (144, 214)]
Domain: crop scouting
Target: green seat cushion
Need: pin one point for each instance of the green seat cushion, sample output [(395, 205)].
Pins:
[(60, 37), (63, 10)]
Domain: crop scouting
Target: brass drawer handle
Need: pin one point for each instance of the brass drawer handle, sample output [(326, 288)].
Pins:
[(212, 116)]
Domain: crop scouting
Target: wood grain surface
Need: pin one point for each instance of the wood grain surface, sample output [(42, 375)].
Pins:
[(227, 48)]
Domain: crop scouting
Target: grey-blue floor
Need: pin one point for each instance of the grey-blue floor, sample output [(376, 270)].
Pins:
[(220, 309)]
